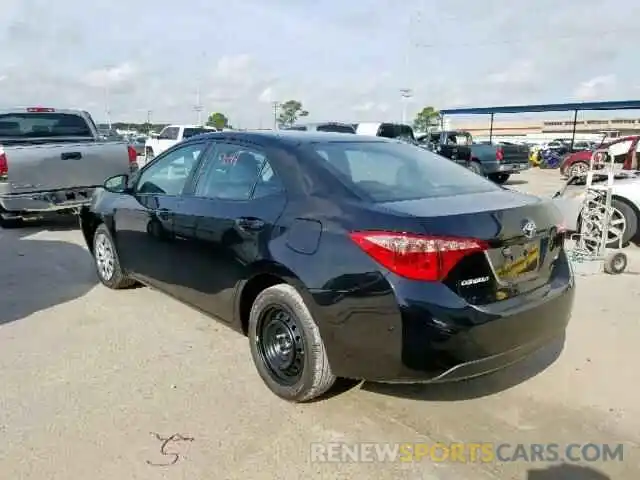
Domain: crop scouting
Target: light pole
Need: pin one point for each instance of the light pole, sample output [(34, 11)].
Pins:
[(276, 107), (406, 94)]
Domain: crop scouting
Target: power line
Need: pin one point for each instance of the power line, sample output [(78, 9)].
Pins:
[(525, 41)]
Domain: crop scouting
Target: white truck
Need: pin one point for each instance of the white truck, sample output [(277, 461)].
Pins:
[(169, 136)]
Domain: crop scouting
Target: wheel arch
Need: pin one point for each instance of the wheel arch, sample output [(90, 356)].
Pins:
[(263, 275)]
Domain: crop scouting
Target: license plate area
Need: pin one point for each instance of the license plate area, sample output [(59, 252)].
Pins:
[(516, 262)]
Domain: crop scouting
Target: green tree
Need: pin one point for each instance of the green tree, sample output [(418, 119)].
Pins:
[(425, 119), (290, 111), (218, 120)]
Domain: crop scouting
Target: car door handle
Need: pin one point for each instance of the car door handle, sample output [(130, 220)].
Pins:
[(71, 156), (250, 224), (162, 213)]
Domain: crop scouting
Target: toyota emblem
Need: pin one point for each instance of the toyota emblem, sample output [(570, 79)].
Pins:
[(529, 228)]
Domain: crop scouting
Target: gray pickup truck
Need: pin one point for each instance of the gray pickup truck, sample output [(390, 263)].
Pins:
[(52, 160)]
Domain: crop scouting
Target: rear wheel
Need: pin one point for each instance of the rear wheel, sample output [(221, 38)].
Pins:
[(107, 262), (475, 167), (286, 346), (499, 178)]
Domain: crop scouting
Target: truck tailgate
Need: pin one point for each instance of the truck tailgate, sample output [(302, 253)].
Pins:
[(51, 167), (515, 153)]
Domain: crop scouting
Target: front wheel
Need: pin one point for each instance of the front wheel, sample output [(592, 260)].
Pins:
[(578, 168), (286, 346), (499, 178)]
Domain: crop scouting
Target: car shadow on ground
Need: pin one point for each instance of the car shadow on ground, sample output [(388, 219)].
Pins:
[(567, 472), (515, 181), (478, 387), (36, 274)]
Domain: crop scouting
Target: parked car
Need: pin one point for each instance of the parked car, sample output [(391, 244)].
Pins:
[(495, 161), (339, 256), (625, 150), (334, 127), (386, 130), (171, 135), (51, 160), (625, 216)]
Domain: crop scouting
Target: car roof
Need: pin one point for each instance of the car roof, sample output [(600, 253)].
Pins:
[(290, 137)]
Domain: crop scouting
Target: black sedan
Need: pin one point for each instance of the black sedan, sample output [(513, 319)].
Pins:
[(338, 255)]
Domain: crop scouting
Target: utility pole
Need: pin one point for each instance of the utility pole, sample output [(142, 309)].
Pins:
[(405, 94), (107, 109), (148, 122), (276, 108), (198, 107)]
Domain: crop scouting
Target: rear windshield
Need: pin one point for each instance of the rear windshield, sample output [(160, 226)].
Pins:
[(42, 125), (394, 171), (335, 128), (192, 132)]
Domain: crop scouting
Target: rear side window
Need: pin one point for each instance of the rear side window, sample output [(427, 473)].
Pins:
[(329, 127), (390, 171), (192, 132), (42, 125), (169, 133)]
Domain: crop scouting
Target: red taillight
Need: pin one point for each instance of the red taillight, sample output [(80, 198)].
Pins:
[(133, 155), (417, 257), (4, 167), (40, 110), (499, 154)]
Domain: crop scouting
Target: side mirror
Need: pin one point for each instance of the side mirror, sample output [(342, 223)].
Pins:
[(117, 184)]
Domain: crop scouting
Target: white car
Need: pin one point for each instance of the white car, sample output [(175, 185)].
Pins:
[(625, 202), (171, 135)]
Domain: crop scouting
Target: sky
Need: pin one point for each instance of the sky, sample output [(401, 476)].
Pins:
[(344, 60)]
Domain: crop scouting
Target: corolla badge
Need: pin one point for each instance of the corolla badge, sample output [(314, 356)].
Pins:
[(529, 228)]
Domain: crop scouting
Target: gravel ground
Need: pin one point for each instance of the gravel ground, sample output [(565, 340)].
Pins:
[(90, 376)]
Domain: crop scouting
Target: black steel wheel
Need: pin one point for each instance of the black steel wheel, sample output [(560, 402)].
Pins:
[(281, 345), (286, 345)]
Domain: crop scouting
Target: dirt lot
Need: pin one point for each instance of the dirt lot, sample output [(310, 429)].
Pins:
[(89, 376)]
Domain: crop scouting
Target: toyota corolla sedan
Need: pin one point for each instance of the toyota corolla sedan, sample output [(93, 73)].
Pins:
[(339, 256)]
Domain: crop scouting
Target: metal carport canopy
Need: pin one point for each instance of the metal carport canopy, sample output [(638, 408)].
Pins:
[(549, 107)]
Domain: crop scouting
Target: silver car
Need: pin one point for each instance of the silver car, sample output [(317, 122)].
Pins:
[(625, 202)]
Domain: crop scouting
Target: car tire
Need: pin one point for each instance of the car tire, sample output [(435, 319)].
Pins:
[(8, 223), (499, 178), (281, 328), (475, 167), (578, 168), (630, 219), (107, 261)]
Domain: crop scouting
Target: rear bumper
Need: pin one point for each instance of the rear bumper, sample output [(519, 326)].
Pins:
[(42, 202), (508, 168), (418, 332)]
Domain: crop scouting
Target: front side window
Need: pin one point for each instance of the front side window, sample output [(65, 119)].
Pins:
[(168, 174), (235, 172), (387, 172)]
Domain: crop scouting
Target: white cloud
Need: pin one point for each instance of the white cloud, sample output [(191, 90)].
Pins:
[(596, 87), (267, 95), (518, 72), (111, 76)]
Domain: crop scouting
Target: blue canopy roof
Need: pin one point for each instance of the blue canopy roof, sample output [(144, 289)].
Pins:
[(551, 107)]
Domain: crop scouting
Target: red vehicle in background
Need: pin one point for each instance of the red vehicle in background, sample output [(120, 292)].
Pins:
[(625, 150)]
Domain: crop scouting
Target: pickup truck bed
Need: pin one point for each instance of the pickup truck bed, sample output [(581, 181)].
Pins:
[(40, 174)]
